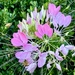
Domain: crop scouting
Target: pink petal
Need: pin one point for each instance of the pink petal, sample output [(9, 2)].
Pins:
[(55, 22), (21, 60), (47, 16), (57, 56), (15, 35), (64, 50), (67, 21), (31, 67), (60, 18), (34, 13), (57, 10), (38, 35), (40, 30), (22, 55), (51, 52), (30, 47), (42, 59), (48, 66), (50, 32), (23, 37), (16, 42), (41, 62), (70, 47), (58, 66), (51, 8), (28, 19)]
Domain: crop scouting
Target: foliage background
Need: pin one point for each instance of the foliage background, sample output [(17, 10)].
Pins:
[(13, 11)]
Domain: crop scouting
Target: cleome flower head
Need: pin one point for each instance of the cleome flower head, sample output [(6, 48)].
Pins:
[(48, 50)]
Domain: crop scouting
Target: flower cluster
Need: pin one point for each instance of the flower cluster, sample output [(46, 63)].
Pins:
[(40, 39)]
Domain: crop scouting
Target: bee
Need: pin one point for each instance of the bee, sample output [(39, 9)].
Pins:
[(25, 63)]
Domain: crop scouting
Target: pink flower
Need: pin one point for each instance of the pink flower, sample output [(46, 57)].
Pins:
[(19, 39), (53, 10), (44, 30), (42, 59)]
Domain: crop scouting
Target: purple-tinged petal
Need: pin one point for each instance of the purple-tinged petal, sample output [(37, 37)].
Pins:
[(58, 57), (64, 50), (42, 13), (34, 14), (21, 60), (70, 47), (57, 32), (55, 22), (22, 55), (31, 67), (67, 20), (28, 19), (47, 16), (51, 52), (42, 60), (58, 66), (48, 66), (60, 18), (30, 47)]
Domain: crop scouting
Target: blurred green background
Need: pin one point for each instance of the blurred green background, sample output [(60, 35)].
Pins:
[(13, 11)]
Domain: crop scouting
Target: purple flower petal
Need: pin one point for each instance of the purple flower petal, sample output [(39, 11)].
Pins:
[(64, 50), (48, 66), (42, 60), (58, 66), (70, 47), (44, 29), (67, 20), (30, 47), (58, 57), (31, 67), (53, 10), (19, 39)]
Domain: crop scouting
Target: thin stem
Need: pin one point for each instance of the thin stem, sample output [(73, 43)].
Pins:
[(7, 62)]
